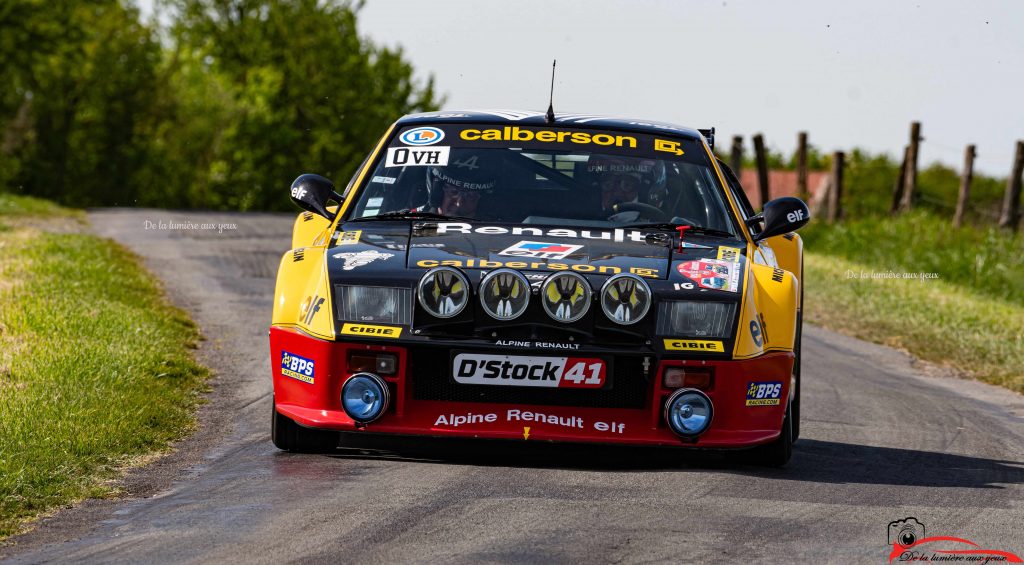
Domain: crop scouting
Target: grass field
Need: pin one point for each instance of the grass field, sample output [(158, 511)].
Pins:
[(95, 366), (970, 316)]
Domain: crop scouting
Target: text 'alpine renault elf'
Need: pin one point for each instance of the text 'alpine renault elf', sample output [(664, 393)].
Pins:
[(503, 275)]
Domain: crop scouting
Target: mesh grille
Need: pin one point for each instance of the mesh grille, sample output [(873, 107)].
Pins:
[(431, 380)]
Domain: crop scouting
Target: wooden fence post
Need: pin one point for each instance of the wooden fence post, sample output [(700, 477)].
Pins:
[(897, 189), (965, 186), (762, 169), (736, 156), (835, 210), (910, 184), (801, 166), (1010, 217)]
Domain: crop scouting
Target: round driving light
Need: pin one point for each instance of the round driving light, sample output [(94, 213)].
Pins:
[(504, 294), (566, 296), (688, 412), (364, 397), (443, 292), (625, 299)]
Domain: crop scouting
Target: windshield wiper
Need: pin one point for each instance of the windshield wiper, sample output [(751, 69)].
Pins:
[(671, 226), (413, 215)]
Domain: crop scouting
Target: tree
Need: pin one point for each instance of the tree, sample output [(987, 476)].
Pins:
[(83, 79), (307, 94), (244, 96)]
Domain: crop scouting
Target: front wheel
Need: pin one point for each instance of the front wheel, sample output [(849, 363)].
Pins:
[(289, 436), (778, 452), (796, 375)]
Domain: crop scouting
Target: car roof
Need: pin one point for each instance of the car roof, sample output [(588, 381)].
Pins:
[(534, 118)]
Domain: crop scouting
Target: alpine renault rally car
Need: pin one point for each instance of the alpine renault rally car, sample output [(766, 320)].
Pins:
[(521, 276)]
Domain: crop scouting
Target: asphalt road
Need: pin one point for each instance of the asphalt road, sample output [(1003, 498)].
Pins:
[(881, 441)]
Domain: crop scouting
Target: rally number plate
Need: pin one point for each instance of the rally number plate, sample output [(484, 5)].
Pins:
[(522, 370)]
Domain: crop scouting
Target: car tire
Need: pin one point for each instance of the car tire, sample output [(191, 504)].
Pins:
[(778, 452), (289, 436), (796, 376)]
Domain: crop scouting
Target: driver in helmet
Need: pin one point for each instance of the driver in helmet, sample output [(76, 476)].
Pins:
[(456, 189), (624, 180)]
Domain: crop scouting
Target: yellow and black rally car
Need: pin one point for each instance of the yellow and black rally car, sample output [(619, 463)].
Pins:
[(529, 277)]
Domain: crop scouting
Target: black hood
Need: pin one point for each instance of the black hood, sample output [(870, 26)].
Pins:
[(529, 248), (402, 250)]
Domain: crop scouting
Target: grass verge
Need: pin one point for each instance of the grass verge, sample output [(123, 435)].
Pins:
[(987, 261), (934, 319), (95, 365)]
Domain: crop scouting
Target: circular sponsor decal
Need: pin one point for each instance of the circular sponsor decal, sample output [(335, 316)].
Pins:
[(421, 136)]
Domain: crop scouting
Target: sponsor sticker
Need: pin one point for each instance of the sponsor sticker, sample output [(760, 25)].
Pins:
[(516, 133), (537, 266), (764, 393), (541, 250), (417, 156), (536, 344), (383, 180), (297, 367), (755, 333), (673, 147), (694, 345), (618, 235), (349, 237), (714, 274), (688, 245), (763, 327), (366, 330), (354, 260), (421, 136), (730, 254), (310, 307), (528, 419), (521, 370)]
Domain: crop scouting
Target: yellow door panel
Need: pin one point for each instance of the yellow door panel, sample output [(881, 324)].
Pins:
[(789, 253), (301, 298), (768, 312)]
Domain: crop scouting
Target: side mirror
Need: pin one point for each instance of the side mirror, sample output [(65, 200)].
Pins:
[(312, 192), (783, 215)]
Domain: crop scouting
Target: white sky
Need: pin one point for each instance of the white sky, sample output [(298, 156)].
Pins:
[(850, 73)]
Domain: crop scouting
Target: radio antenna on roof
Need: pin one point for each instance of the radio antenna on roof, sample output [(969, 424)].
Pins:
[(550, 116)]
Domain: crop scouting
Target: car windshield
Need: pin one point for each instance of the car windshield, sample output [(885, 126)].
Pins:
[(554, 176)]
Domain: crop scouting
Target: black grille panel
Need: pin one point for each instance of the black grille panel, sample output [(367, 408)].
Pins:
[(431, 380)]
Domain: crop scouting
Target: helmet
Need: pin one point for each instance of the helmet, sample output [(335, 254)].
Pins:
[(649, 173), (467, 169)]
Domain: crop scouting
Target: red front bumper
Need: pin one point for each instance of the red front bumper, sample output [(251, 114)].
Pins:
[(317, 404)]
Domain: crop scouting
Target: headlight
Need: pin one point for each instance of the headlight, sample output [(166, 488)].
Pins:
[(696, 319), (688, 412), (566, 296), (364, 397), (625, 299), (504, 294), (373, 304), (443, 292)]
